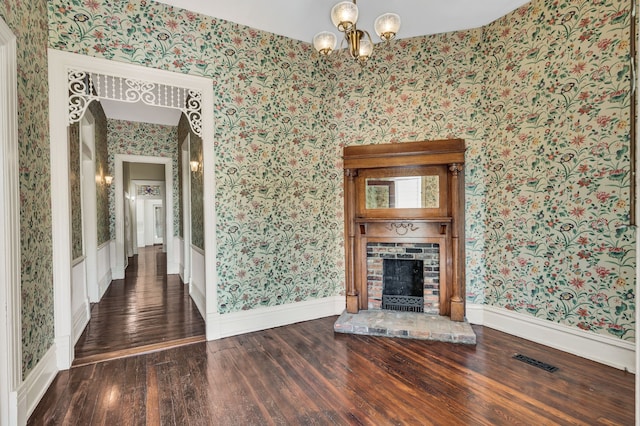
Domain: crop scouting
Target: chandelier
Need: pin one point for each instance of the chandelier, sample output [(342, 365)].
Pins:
[(344, 16)]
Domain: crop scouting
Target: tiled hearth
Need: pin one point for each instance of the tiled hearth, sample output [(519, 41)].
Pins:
[(411, 325)]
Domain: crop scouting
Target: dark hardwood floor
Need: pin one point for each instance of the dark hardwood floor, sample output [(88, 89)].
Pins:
[(305, 374), (148, 310)]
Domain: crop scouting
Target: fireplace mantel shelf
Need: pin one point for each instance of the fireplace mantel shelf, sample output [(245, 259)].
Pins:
[(377, 178), (403, 219)]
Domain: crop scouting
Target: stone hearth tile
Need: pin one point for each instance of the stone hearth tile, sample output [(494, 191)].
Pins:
[(410, 325)]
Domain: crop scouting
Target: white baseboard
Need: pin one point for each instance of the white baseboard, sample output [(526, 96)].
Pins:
[(197, 281), (181, 273), (596, 347), (235, 323), (36, 384), (104, 283), (173, 268), (80, 320), (198, 297), (105, 276)]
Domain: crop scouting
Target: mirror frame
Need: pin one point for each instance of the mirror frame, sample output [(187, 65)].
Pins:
[(387, 172)]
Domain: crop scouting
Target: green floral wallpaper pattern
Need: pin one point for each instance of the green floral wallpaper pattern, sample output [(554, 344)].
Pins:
[(183, 130), (197, 189), (102, 166), (28, 21), (102, 189), (197, 194), (134, 138), (516, 94), (279, 235), (557, 110), (73, 138)]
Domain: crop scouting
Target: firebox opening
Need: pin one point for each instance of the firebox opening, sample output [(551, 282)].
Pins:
[(403, 285)]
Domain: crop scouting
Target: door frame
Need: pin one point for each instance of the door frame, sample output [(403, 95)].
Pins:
[(10, 264), (120, 252), (88, 206), (185, 157), (59, 64)]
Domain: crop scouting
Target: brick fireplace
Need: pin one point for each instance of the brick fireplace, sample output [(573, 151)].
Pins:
[(427, 253)]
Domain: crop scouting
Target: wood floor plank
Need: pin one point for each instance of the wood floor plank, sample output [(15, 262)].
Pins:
[(146, 308), (305, 374)]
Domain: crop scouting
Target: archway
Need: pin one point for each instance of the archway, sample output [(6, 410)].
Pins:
[(60, 66)]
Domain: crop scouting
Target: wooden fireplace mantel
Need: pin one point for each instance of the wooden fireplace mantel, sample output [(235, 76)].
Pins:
[(373, 167)]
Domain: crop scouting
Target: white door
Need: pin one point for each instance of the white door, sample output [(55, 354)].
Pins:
[(158, 224)]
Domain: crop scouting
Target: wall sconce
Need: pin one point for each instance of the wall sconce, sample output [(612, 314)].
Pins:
[(194, 165), (108, 179)]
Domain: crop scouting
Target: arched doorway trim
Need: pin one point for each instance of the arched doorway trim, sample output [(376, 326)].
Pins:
[(85, 87)]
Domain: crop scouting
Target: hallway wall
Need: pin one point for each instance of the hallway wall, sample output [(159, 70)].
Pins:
[(134, 138), (197, 189), (102, 169), (102, 189)]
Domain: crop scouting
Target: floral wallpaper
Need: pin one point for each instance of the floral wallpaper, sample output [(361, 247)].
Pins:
[(197, 194), (197, 189), (183, 130), (134, 138), (102, 189), (278, 194), (28, 21), (540, 96), (558, 241), (73, 137), (102, 166), (425, 88)]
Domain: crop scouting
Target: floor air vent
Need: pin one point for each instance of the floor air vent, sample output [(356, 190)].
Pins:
[(547, 367)]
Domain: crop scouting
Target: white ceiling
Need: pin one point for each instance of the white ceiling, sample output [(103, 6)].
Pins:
[(302, 19), (141, 112)]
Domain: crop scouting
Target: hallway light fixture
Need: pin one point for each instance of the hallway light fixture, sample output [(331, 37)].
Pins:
[(194, 165), (344, 16), (108, 179)]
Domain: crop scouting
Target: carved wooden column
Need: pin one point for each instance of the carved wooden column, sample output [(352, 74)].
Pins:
[(350, 240), (457, 233)]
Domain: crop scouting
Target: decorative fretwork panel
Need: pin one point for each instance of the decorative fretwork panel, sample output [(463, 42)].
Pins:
[(85, 88)]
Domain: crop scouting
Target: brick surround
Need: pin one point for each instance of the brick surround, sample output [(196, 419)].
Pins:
[(429, 253)]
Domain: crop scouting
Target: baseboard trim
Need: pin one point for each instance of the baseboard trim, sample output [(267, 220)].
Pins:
[(236, 323), (36, 384), (104, 283), (197, 297), (596, 347), (80, 320)]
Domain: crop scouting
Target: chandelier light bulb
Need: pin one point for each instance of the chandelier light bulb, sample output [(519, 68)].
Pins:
[(344, 15), (324, 42), (387, 26), (366, 49)]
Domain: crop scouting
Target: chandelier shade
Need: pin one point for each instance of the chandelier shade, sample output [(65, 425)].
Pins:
[(344, 16), (387, 26), (324, 42)]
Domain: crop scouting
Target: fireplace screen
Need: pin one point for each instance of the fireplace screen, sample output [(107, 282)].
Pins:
[(403, 285)]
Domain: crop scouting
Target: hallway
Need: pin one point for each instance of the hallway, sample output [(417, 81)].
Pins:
[(146, 311)]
